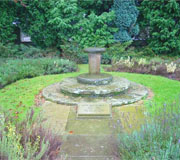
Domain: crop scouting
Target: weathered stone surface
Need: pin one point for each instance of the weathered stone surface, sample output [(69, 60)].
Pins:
[(94, 63), (95, 79), (95, 50), (89, 147), (135, 93), (94, 110), (94, 59), (71, 86), (56, 116)]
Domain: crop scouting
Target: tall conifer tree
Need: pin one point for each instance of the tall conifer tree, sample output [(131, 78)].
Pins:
[(126, 17)]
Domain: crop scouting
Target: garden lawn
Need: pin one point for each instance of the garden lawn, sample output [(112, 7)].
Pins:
[(20, 96)]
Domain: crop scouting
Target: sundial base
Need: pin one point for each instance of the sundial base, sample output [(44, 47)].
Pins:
[(94, 110)]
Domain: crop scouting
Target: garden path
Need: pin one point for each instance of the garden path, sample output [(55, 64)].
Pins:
[(90, 139)]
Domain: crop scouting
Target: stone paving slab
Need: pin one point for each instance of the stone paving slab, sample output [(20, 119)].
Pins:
[(88, 126), (56, 116), (89, 146), (93, 158), (94, 110)]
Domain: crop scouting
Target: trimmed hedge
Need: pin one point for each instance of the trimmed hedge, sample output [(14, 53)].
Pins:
[(13, 70)]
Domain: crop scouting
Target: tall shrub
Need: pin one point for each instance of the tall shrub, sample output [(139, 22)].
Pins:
[(74, 23), (126, 19), (7, 17), (161, 20), (34, 17)]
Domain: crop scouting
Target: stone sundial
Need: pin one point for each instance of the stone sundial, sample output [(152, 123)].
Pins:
[(94, 76), (95, 93)]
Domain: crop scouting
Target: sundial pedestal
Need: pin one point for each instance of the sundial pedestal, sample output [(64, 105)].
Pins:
[(94, 63), (94, 77), (94, 55)]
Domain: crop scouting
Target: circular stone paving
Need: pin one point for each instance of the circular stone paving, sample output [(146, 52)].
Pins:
[(95, 79), (134, 93), (71, 86)]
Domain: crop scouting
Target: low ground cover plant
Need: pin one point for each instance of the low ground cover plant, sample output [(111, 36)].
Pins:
[(167, 68), (158, 138), (26, 140), (13, 70)]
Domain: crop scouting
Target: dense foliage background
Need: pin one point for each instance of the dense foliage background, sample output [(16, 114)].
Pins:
[(60, 23), (161, 22)]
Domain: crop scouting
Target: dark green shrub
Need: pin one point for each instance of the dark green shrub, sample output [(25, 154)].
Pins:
[(106, 58), (13, 70), (161, 21), (119, 50), (5, 51), (8, 16), (73, 51), (95, 30), (26, 51)]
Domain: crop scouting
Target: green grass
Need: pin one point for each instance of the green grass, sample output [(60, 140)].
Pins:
[(20, 95)]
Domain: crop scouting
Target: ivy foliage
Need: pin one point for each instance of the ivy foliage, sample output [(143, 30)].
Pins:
[(161, 20), (7, 17), (126, 19), (34, 21)]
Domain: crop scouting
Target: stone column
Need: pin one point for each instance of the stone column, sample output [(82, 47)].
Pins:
[(94, 55), (94, 63)]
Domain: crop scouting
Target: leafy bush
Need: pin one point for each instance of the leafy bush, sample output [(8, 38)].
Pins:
[(73, 51), (95, 30), (118, 50), (4, 51), (26, 140), (158, 139), (106, 58), (25, 51), (8, 16), (13, 70), (160, 20)]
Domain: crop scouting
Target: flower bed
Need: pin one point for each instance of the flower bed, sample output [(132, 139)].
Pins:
[(163, 68), (13, 70)]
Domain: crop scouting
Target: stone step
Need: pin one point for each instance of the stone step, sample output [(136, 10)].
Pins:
[(70, 86), (95, 79), (135, 93)]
